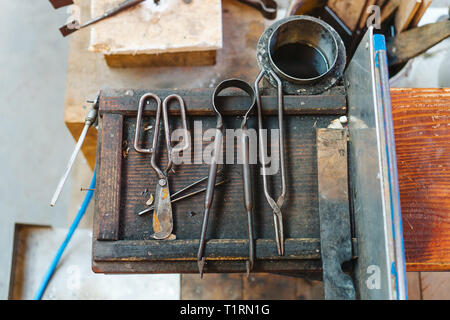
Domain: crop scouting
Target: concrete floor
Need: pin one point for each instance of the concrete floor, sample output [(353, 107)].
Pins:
[(35, 147), (34, 141), (74, 279)]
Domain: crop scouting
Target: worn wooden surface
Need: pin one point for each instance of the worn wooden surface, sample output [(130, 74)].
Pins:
[(167, 59), (227, 231), (146, 35), (420, 12), (349, 11), (405, 14), (425, 215), (409, 44), (87, 72), (422, 135)]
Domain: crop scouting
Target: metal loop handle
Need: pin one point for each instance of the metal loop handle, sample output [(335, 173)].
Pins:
[(186, 138), (139, 122)]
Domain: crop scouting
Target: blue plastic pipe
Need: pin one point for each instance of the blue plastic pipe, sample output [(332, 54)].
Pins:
[(73, 227)]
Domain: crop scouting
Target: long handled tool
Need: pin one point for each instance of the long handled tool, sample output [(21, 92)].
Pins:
[(162, 215), (230, 83), (91, 119), (248, 185), (73, 26), (276, 206)]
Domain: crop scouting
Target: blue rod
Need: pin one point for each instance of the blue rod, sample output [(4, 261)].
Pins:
[(73, 227)]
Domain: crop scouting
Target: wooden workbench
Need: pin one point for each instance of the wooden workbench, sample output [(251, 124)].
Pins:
[(421, 119)]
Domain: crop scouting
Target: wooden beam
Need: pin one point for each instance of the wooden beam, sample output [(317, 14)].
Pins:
[(419, 14), (349, 11), (405, 14), (422, 137)]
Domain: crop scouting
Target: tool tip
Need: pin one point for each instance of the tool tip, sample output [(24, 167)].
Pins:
[(201, 265), (69, 28)]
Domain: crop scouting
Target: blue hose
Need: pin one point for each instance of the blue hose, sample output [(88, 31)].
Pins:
[(73, 227)]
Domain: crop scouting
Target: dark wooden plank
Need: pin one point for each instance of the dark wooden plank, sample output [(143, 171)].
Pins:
[(422, 135), (198, 102), (109, 178), (217, 249), (213, 266)]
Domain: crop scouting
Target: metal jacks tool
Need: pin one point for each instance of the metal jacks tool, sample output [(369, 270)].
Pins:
[(162, 215), (73, 26), (91, 119), (276, 206), (230, 83)]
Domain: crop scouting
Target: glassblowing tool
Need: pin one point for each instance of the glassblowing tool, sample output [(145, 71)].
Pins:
[(74, 25), (226, 84), (91, 119), (162, 215)]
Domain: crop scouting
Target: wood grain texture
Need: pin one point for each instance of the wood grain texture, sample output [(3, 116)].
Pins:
[(227, 249), (261, 286), (405, 14), (198, 103), (173, 59), (88, 72), (422, 135), (109, 178), (349, 11), (414, 287), (435, 285), (409, 44), (420, 12), (389, 8)]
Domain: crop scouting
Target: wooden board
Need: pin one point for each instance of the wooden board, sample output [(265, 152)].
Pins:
[(422, 135), (420, 12), (365, 13), (405, 14), (123, 238), (87, 72), (349, 11), (388, 10), (146, 34)]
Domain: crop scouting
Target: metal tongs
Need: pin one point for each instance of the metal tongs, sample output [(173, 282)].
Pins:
[(162, 215), (248, 199), (276, 206)]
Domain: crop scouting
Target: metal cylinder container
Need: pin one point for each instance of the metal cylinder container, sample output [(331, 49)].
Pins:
[(306, 53)]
